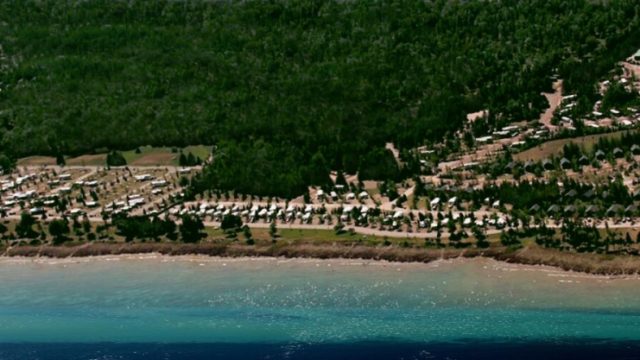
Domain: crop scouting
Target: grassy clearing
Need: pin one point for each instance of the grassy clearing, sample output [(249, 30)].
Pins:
[(88, 160), (36, 161), (150, 156), (201, 151), (554, 147), (163, 156), (147, 156)]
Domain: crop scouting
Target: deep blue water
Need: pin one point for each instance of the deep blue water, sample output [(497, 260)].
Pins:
[(566, 349), (204, 308)]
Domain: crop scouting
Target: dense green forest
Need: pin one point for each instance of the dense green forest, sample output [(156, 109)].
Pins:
[(277, 84)]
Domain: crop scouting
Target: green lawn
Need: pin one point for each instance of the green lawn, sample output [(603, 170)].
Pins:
[(554, 147)]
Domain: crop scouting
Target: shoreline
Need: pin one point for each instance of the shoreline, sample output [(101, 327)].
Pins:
[(600, 265)]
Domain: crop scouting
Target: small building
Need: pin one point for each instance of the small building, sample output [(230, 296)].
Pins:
[(511, 128), (435, 203), (600, 155), (529, 166), (159, 183), (547, 164), (589, 194), (565, 163), (76, 212), (553, 209), (363, 195), (36, 211), (517, 144), (501, 134), (615, 209), (635, 149), (583, 160), (470, 165), (592, 210), (618, 152), (143, 177), (631, 210)]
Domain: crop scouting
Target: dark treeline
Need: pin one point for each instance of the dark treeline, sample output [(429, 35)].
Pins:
[(573, 157), (283, 83), (547, 198), (629, 141)]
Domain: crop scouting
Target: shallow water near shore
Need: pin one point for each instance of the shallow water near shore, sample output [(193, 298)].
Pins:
[(152, 306)]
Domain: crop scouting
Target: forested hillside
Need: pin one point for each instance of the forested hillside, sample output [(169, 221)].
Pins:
[(277, 84)]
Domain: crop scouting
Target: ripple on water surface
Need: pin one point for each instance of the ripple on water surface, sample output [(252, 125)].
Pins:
[(211, 300)]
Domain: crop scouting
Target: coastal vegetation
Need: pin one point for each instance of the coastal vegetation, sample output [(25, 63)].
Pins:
[(317, 247), (287, 90)]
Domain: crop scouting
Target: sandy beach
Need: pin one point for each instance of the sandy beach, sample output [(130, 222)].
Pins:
[(568, 262)]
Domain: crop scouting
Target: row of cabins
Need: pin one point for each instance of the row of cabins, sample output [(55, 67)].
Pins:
[(333, 195), (346, 214), (613, 112), (588, 210), (565, 164), (504, 133), (155, 183), (251, 213), (124, 206), (9, 184), (435, 203)]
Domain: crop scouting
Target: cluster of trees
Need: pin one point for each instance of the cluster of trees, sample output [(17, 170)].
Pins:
[(284, 84), (619, 97), (624, 142), (115, 158), (575, 236), (29, 227), (537, 197), (189, 159), (153, 228), (189, 230), (573, 157)]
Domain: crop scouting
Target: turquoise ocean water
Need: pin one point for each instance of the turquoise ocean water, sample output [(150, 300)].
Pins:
[(197, 307)]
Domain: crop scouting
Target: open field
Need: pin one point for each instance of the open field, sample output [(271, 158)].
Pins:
[(151, 156), (147, 156), (36, 161), (88, 160), (554, 147)]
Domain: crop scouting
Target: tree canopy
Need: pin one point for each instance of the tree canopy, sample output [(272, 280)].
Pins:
[(280, 83)]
